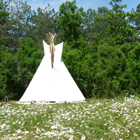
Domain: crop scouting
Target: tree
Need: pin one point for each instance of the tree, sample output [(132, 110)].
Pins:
[(80, 63), (89, 24), (29, 57), (111, 75), (116, 7), (42, 24), (19, 25), (8, 74), (136, 19), (3, 18), (93, 27), (103, 11), (70, 23), (115, 27), (3, 22), (134, 66)]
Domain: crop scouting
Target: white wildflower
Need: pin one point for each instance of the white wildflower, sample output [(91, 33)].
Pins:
[(83, 137), (18, 131)]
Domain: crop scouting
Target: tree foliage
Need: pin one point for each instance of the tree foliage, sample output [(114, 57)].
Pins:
[(43, 22), (8, 72), (70, 23), (3, 26), (28, 58)]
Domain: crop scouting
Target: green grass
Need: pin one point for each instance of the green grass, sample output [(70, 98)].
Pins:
[(98, 119)]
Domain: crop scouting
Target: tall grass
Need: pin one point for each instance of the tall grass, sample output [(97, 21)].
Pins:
[(106, 119)]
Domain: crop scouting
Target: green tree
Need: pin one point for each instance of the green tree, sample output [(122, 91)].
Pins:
[(103, 10), (116, 7), (42, 24), (3, 18), (89, 25), (7, 61), (93, 26), (134, 66), (70, 23), (19, 25), (80, 63), (111, 73), (136, 19), (8, 74), (29, 57), (3, 22), (114, 27)]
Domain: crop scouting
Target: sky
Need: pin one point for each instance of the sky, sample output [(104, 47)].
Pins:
[(86, 4)]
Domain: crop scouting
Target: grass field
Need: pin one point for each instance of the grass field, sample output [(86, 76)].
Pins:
[(104, 119)]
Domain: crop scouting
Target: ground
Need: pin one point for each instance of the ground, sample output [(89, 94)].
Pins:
[(100, 119)]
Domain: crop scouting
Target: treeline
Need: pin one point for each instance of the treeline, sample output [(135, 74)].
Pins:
[(101, 48)]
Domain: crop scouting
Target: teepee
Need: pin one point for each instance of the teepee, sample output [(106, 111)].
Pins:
[(52, 81)]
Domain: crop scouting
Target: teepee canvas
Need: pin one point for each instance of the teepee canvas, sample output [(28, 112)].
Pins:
[(52, 82)]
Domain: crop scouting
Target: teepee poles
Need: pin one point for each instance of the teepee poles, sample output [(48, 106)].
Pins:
[(51, 37)]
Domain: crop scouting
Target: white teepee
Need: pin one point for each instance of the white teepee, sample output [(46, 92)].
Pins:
[(52, 84)]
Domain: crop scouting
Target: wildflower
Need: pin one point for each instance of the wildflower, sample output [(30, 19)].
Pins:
[(38, 130), (19, 137), (2, 126), (48, 133), (26, 132), (132, 96), (71, 130), (61, 133), (135, 134), (36, 137), (127, 131), (70, 137), (23, 123), (14, 134), (98, 103), (83, 137), (53, 127), (18, 131)]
